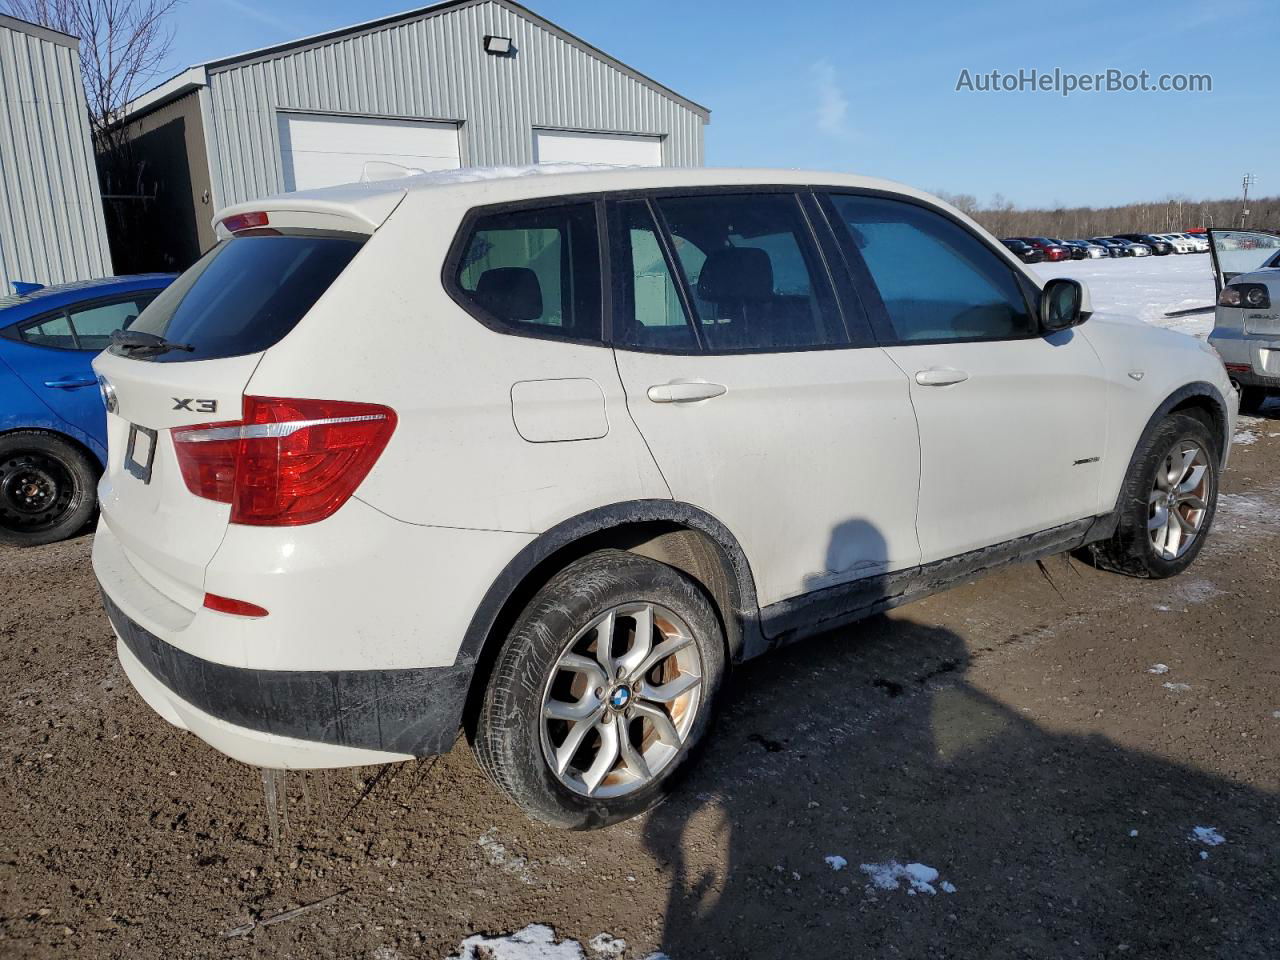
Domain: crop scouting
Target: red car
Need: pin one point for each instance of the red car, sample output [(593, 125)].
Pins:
[(1052, 251)]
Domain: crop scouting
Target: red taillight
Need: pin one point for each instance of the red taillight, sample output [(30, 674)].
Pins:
[(288, 462), (240, 608), (245, 221)]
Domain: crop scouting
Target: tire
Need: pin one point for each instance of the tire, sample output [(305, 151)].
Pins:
[(1252, 399), (46, 488), (513, 743), (1131, 550)]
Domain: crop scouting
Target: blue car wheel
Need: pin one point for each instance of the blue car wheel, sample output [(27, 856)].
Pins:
[(46, 488)]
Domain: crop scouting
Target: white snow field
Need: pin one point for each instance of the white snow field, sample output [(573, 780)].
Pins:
[(1146, 288)]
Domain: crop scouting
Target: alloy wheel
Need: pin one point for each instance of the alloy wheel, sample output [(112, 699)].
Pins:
[(621, 700), (1178, 503)]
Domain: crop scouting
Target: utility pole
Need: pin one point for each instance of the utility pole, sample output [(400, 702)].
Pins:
[(1246, 181)]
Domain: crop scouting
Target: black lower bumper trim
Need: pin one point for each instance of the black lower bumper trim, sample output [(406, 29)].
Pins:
[(416, 711)]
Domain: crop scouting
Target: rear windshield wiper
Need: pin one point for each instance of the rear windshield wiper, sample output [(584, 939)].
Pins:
[(135, 341)]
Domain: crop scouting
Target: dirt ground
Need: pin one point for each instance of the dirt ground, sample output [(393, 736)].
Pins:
[(1010, 734)]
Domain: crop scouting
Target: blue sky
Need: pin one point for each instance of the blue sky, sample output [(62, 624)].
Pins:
[(870, 87)]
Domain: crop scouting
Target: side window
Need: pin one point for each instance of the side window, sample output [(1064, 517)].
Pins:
[(536, 271), (937, 280), (754, 276), (647, 310), (94, 325), (50, 332)]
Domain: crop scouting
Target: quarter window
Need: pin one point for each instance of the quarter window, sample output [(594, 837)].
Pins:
[(536, 271), (937, 281), (753, 276), (50, 332)]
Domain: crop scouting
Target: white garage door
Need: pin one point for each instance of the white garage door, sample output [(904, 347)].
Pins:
[(561, 146), (318, 150)]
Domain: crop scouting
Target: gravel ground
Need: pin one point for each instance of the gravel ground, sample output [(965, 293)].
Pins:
[(1014, 735)]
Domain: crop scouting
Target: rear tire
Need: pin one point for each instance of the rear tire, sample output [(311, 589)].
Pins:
[(47, 488), (1167, 504), (579, 738), (1252, 399)]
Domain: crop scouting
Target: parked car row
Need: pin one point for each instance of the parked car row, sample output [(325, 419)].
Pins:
[(1042, 249)]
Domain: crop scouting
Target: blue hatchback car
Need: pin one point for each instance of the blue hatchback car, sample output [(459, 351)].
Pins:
[(52, 424)]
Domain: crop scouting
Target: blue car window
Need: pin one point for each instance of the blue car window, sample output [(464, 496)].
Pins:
[(95, 324), (50, 332)]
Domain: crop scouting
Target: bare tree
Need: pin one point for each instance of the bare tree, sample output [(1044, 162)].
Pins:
[(123, 45)]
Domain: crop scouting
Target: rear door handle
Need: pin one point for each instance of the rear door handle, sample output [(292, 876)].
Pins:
[(940, 377), (71, 383), (682, 391)]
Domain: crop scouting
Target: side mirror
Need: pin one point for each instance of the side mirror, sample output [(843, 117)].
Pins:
[(1063, 303)]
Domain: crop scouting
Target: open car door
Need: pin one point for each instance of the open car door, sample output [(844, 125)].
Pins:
[(1235, 252)]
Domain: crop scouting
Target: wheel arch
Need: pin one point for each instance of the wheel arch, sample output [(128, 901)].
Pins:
[(1199, 399), (677, 534), (71, 437)]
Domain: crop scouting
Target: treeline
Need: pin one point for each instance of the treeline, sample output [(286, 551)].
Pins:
[(1004, 219)]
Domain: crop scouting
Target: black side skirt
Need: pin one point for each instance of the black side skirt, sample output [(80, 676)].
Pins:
[(804, 616), (415, 711)]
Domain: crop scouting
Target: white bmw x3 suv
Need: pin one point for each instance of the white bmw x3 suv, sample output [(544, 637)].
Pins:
[(538, 457)]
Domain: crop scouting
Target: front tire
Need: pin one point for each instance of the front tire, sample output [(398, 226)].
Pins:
[(46, 488), (602, 692), (1167, 504)]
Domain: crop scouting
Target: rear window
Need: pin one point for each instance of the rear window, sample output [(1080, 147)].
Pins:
[(245, 294)]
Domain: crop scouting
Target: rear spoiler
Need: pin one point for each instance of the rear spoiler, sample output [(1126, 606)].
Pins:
[(355, 208)]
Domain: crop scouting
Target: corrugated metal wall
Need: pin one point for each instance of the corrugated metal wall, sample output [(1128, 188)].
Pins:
[(435, 68), (51, 223)]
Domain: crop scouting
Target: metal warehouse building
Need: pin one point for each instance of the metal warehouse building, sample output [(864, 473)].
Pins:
[(51, 223), (461, 83)]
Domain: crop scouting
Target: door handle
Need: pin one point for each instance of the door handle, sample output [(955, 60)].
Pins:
[(683, 391), (940, 377), (71, 383)]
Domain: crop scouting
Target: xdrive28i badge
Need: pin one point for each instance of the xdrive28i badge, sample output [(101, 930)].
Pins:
[(194, 405)]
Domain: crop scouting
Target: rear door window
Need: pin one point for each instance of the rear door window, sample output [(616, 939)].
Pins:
[(753, 272), (647, 310), (534, 271), (246, 294)]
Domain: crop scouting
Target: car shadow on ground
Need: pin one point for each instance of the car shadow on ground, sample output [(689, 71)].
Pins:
[(871, 746)]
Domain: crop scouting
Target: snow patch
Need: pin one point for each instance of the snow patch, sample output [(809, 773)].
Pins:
[(499, 856), (1209, 836), (1177, 687), (1158, 668), (836, 862), (604, 945), (1197, 591), (919, 877), (1244, 438), (535, 942)]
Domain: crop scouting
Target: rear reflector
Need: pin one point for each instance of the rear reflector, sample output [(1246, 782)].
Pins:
[(245, 221), (288, 462), (240, 608), (1238, 367)]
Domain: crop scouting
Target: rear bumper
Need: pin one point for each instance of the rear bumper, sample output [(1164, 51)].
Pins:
[(1259, 351), (294, 719)]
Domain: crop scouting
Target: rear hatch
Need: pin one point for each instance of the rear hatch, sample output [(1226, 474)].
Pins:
[(188, 359)]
